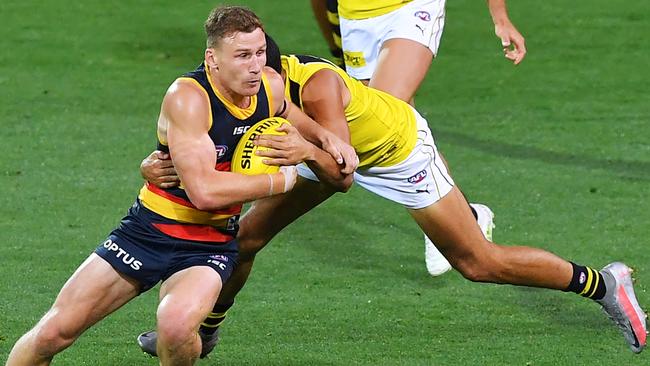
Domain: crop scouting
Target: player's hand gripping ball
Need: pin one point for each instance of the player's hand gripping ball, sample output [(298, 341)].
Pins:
[(244, 159)]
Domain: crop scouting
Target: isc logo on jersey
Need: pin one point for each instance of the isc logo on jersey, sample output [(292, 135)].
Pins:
[(127, 258), (240, 130)]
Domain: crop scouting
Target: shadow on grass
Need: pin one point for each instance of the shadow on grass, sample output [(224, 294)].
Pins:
[(630, 170)]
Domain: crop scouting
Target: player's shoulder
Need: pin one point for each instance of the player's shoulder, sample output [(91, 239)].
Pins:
[(274, 81), (272, 76), (185, 88), (185, 94)]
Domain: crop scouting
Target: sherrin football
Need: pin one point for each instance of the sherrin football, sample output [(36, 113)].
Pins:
[(244, 159)]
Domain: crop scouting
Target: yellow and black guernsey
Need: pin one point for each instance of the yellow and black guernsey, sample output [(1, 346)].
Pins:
[(178, 217), (382, 128)]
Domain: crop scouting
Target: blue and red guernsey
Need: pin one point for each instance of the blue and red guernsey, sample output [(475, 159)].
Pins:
[(179, 217)]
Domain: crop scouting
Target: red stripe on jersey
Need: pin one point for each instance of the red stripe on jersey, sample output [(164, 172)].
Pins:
[(169, 196), (194, 232), (223, 166)]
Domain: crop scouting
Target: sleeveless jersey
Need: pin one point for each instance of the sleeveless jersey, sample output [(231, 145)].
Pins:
[(227, 124), (362, 9), (383, 128)]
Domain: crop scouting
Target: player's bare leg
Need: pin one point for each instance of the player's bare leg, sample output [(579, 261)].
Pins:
[(389, 76), (92, 292), (264, 220), (186, 299), (257, 227), (451, 225)]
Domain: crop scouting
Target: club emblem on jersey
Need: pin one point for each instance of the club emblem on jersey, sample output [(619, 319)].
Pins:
[(221, 150), (417, 178), (423, 15)]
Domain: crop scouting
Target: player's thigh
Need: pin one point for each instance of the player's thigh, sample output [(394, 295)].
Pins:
[(396, 56), (92, 292), (269, 216), (450, 224), (189, 295)]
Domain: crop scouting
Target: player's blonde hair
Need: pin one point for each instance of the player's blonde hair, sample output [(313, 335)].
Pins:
[(223, 21)]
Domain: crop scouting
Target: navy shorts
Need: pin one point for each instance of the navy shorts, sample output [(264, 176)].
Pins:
[(140, 251)]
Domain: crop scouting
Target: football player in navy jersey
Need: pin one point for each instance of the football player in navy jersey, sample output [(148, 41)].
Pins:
[(185, 236)]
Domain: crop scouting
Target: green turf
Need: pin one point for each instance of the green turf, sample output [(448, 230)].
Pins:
[(558, 147)]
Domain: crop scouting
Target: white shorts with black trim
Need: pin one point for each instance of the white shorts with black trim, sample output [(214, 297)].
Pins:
[(417, 182), (420, 20)]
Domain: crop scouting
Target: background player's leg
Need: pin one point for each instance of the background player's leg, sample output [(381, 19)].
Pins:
[(326, 14), (451, 225), (389, 76), (263, 221), (186, 299), (92, 292)]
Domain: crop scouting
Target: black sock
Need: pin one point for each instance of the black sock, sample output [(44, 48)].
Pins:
[(587, 282), (215, 318)]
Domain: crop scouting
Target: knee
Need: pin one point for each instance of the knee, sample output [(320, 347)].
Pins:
[(483, 266), (174, 332), (50, 337)]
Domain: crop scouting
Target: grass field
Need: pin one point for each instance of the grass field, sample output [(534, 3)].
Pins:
[(557, 147)]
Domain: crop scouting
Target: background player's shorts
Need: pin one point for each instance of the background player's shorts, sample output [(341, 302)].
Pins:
[(138, 250), (417, 182), (420, 20)]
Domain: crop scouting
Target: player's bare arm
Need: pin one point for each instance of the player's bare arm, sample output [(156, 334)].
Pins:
[(328, 109), (340, 150), (185, 113), (157, 168), (513, 43)]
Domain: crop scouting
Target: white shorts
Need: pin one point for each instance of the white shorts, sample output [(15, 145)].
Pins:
[(420, 20), (417, 182)]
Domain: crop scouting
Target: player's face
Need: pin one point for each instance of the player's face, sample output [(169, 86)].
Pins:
[(239, 61)]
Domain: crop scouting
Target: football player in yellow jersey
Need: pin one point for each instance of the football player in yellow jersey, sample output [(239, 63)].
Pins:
[(140, 252), (411, 174), (378, 37)]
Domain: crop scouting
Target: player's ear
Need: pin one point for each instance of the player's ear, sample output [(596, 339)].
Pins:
[(211, 59)]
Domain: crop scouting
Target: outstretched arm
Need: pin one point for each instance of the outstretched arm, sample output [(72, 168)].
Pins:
[(513, 42)]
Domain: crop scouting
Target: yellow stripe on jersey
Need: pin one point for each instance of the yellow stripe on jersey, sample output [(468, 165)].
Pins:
[(382, 128), (207, 97), (180, 213), (363, 9), (239, 113), (269, 95)]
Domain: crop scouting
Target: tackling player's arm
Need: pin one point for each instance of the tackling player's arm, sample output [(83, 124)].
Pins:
[(324, 98), (322, 163), (186, 112), (340, 150)]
